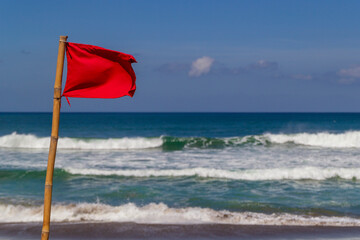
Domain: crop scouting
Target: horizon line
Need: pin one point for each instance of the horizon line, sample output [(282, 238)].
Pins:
[(1, 112)]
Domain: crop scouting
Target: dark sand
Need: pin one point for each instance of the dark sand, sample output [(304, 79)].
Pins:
[(157, 231)]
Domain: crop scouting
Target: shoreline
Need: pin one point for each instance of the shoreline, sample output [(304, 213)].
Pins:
[(116, 230)]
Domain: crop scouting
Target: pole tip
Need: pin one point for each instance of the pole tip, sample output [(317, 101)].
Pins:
[(63, 38)]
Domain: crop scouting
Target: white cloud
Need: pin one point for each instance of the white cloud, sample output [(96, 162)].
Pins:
[(353, 72), (263, 64), (201, 66), (349, 75)]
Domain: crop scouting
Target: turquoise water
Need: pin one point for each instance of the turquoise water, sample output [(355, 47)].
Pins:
[(229, 168)]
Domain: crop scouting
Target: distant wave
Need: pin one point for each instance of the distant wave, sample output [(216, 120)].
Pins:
[(15, 140), (300, 173), (350, 139), (159, 213)]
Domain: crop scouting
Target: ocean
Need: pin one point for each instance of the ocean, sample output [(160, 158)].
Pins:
[(184, 170)]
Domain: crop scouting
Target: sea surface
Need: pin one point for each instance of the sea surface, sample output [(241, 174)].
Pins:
[(222, 169)]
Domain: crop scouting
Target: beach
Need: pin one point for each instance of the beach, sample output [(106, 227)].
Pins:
[(163, 231), (183, 175)]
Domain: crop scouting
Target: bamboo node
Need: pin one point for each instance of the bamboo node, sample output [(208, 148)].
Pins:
[(45, 231), (53, 138)]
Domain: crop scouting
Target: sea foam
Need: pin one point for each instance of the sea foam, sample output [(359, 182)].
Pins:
[(298, 173), (350, 139), (159, 213), (15, 140)]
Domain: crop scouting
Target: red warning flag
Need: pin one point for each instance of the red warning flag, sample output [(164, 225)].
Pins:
[(95, 72)]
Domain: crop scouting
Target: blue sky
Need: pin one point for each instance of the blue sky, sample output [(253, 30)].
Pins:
[(232, 56)]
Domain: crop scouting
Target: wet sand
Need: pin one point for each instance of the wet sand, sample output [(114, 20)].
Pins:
[(63, 231)]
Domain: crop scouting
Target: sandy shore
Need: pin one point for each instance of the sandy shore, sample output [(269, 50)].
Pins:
[(151, 231)]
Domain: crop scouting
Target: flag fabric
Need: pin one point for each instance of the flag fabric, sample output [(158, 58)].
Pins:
[(95, 72)]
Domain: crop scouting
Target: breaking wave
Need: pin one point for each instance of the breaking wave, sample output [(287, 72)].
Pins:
[(15, 140), (350, 139), (159, 213), (300, 173)]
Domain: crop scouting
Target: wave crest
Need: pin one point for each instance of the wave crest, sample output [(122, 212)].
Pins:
[(349, 139), (15, 140), (159, 213), (300, 173)]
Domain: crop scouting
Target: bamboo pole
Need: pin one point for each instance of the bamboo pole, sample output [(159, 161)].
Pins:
[(54, 139)]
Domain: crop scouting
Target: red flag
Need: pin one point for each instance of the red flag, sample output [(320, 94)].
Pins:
[(95, 72)]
